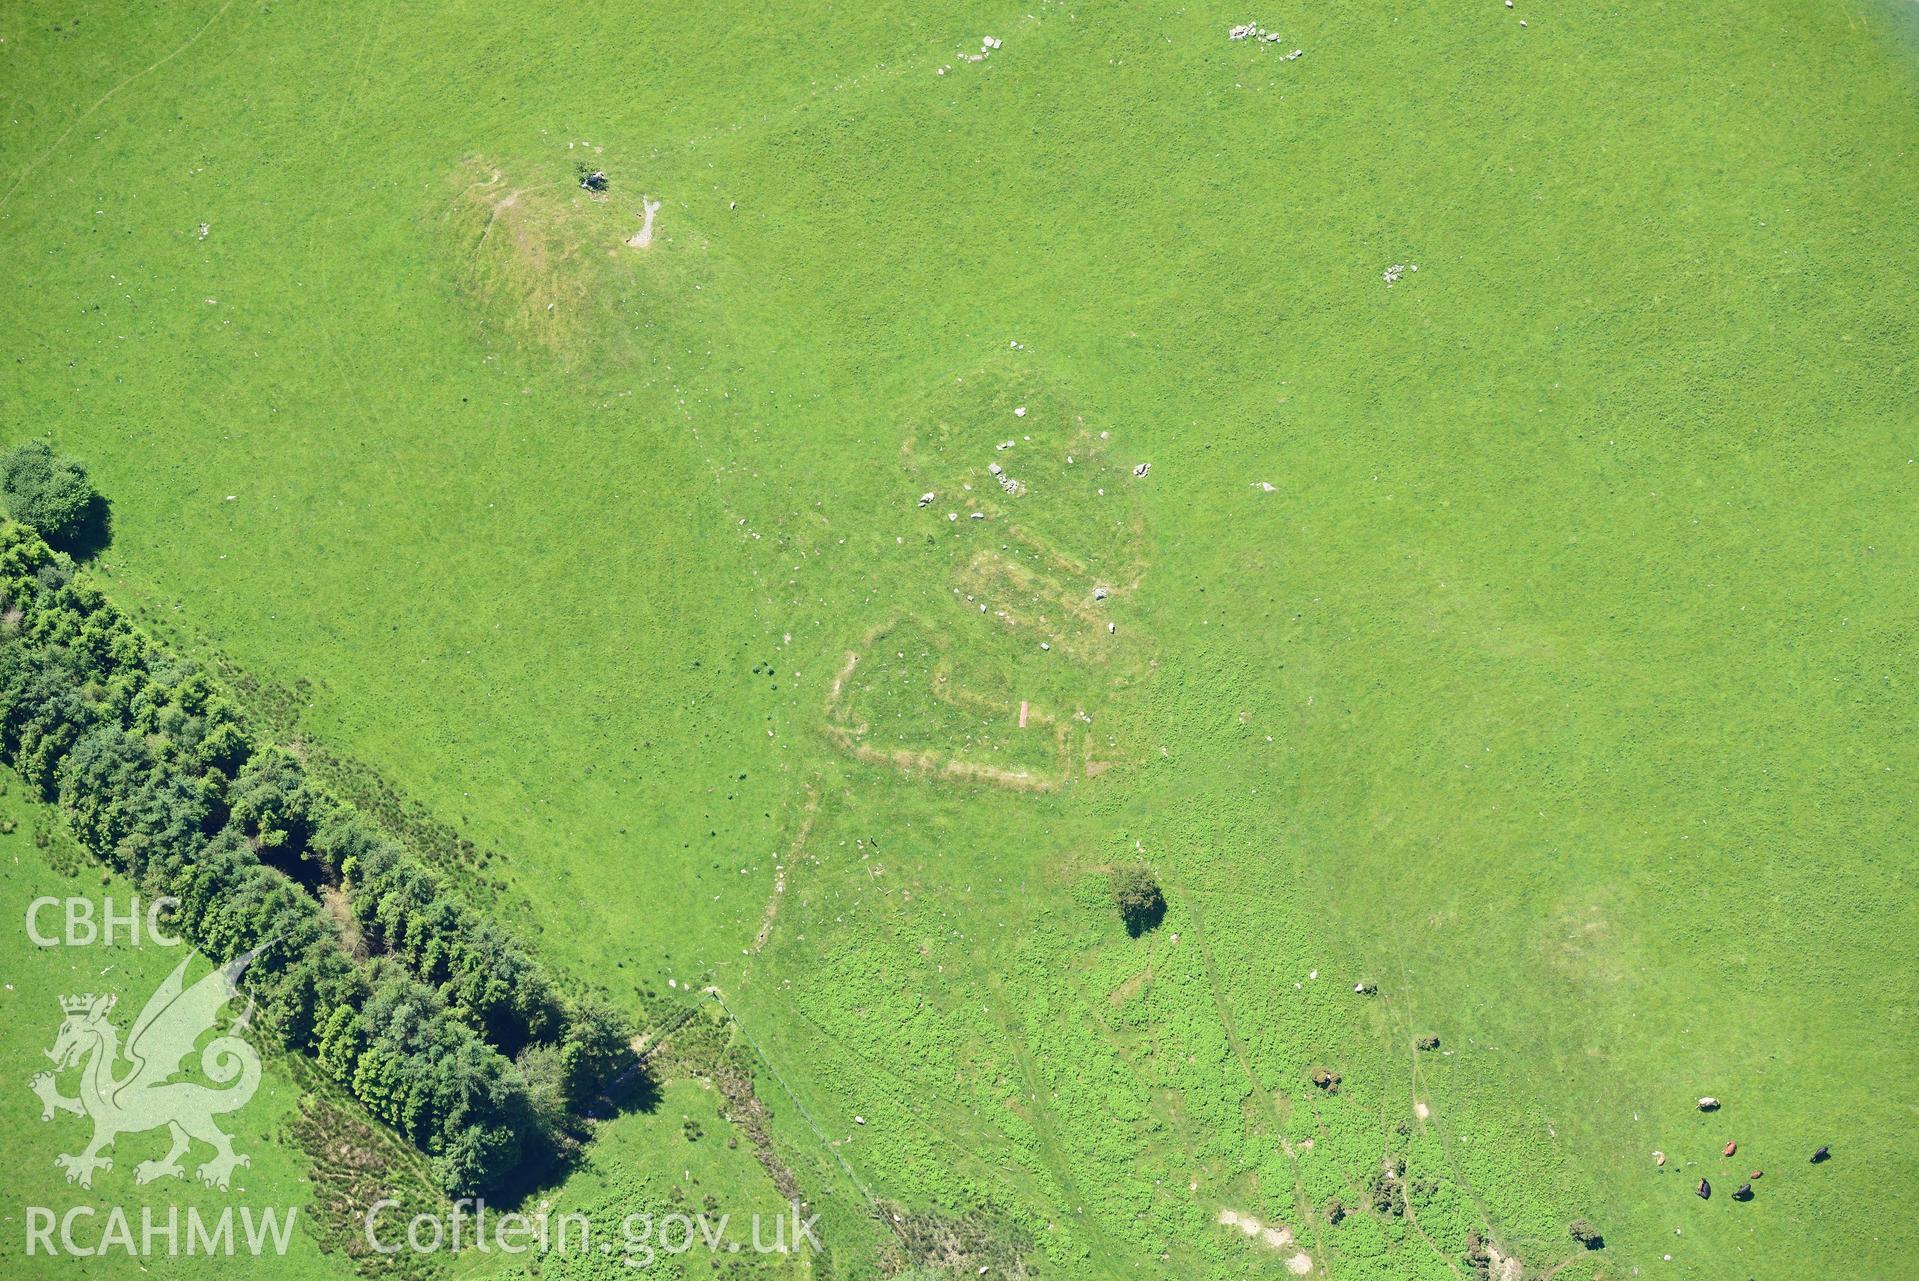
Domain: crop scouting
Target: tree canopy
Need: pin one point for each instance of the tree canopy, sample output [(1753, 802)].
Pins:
[(1137, 896), (47, 491), (162, 780)]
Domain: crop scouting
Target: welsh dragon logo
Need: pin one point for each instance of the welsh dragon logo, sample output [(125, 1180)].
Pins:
[(131, 1090)]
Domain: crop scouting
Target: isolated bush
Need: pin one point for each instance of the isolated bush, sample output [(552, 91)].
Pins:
[(1137, 896), (597, 1048), (45, 490)]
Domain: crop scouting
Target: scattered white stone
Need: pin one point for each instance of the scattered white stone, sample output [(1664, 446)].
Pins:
[(1004, 445), (977, 516), (1044, 645), (1263, 486), (952, 516), (1142, 469), (1020, 412), (205, 227), (1393, 273), (1258, 35), (859, 1120), (1099, 593), (927, 497)]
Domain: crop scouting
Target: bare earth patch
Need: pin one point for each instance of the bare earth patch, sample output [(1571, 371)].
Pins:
[(644, 236), (794, 851), (1504, 1267), (1274, 1236)]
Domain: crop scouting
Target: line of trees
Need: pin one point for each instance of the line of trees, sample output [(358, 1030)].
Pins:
[(451, 1032)]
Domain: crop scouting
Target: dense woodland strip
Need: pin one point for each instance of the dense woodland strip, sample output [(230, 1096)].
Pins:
[(439, 1023)]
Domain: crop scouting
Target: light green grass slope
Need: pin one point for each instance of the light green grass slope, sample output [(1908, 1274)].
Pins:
[(1559, 685)]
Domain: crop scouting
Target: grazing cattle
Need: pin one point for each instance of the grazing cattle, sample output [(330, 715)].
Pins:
[(1709, 1104), (1744, 1193), (1823, 1154), (1704, 1190), (1730, 1149), (1757, 1174)]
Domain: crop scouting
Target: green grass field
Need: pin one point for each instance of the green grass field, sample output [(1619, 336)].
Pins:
[(1559, 684)]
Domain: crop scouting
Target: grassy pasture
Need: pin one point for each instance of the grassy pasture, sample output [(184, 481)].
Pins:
[(1558, 686)]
